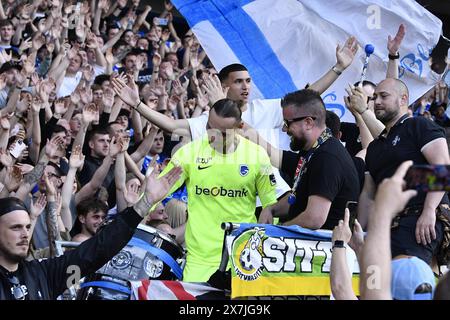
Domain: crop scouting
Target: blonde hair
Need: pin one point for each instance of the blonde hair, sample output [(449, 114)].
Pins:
[(176, 210)]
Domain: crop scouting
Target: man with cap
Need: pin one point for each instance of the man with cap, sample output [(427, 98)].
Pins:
[(47, 279)]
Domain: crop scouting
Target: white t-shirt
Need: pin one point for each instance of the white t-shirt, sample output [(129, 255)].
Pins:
[(68, 85), (266, 117)]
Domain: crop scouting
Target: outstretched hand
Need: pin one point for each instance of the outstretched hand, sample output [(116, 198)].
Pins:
[(393, 44), (346, 54)]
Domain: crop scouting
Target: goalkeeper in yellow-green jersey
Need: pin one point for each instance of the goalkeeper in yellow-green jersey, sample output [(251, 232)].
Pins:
[(224, 173)]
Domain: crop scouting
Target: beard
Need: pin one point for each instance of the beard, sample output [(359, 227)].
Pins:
[(13, 257), (297, 144), (386, 116)]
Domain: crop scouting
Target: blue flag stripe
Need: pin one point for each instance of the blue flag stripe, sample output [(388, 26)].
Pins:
[(245, 39)]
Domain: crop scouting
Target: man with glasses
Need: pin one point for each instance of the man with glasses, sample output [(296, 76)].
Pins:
[(324, 175)]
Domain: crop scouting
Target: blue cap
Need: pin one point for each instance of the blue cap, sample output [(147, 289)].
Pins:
[(408, 274)]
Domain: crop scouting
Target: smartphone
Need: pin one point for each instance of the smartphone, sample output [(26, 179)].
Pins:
[(428, 178), (352, 206), (18, 148), (162, 21)]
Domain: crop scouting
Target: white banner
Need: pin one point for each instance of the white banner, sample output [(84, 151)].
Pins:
[(286, 44)]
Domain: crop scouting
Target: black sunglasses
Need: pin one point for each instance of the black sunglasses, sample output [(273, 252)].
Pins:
[(287, 123)]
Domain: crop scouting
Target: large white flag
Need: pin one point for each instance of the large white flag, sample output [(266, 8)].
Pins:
[(286, 44)]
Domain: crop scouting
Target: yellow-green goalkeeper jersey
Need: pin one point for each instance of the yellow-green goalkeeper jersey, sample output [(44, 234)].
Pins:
[(221, 188)]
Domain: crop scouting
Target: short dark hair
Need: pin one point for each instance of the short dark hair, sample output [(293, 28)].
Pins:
[(101, 78), (95, 87), (309, 100), (58, 128), (227, 108), (6, 22), (225, 72), (334, 123), (97, 130), (91, 204)]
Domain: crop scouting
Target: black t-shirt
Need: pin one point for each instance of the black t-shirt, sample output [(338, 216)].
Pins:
[(351, 137), (403, 142), (330, 173), (360, 166)]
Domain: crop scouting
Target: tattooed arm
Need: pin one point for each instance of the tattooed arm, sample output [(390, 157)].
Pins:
[(33, 177), (51, 220)]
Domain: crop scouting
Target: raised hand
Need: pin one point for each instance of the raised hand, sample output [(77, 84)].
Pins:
[(37, 207), (132, 194), (127, 93), (177, 88), (25, 168), (159, 88), (356, 100), (213, 88), (88, 73), (50, 188), (5, 124), (346, 54), (38, 41), (156, 60), (6, 159), (108, 97), (53, 145), (115, 146), (25, 45), (60, 106), (86, 95), (76, 160), (173, 102), (157, 188), (393, 44), (28, 66), (90, 113), (13, 178)]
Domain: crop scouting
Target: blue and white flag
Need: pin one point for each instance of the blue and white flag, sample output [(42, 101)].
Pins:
[(286, 44)]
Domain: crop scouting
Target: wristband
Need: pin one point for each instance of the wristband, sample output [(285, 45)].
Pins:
[(137, 106), (336, 70), (338, 244), (365, 110), (393, 57)]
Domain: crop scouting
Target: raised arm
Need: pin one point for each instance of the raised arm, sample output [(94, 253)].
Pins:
[(340, 275), (357, 102), (36, 130), (393, 45), (344, 58), (76, 161), (145, 146), (50, 150), (130, 95)]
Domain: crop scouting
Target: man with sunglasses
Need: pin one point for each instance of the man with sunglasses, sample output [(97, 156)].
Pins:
[(323, 173)]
